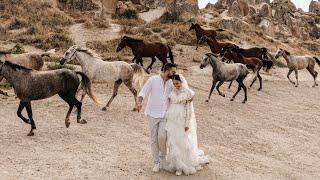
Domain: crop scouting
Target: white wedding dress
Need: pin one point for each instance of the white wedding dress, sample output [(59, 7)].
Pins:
[(182, 154)]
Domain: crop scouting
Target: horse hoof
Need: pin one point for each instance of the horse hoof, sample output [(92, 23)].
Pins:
[(104, 109), (207, 100), (222, 95), (30, 134), (67, 123), (259, 89), (232, 99), (82, 121), (243, 102), (296, 86), (135, 109)]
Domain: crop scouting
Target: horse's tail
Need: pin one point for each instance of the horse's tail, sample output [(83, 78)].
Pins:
[(86, 86), (48, 53), (138, 74), (170, 55), (317, 60)]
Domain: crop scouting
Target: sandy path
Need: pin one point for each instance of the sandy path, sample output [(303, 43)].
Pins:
[(80, 34), (274, 136)]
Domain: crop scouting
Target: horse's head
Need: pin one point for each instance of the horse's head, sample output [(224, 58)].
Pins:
[(123, 43), (69, 55), (194, 26), (280, 52), (206, 60)]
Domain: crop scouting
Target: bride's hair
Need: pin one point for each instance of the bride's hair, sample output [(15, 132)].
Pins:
[(176, 77)]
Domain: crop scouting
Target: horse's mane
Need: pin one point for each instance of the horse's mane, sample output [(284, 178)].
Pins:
[(287, 52), (88, 51), (132, 39), (16, 66)]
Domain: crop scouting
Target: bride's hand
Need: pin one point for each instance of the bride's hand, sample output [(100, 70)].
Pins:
[(186, 129)]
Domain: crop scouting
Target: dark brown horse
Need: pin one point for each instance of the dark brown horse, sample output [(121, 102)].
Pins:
[(200, 32), (233, 54), (142, 49), (216, 46), (260, 53)]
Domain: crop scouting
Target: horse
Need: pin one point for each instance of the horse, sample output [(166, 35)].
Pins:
[(142, 49), (30, 85), (200, 32), (260, 53), (254, 63), (296, 63), (214, 45), (225, 72), (29, 60), (100, 71)]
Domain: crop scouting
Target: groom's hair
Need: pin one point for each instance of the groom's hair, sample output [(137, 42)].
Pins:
[(168, 66)]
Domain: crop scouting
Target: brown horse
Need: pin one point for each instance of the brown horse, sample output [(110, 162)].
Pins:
[(29, 60), (216, 46), (142, 49), (200, 32), (252, 62)]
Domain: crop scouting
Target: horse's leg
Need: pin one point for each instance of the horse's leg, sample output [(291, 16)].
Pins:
[(134, 58), (33, 125), (235, 94), (314, 75), (164, 62), (218, 86), (260, 81), (245, 92), (230, 85), (288, 75), (296, 72), (152, 62), (67, 100), (2, 92), (78, 105), (134, 92), (115, 92), (20, 108), (211, 90)]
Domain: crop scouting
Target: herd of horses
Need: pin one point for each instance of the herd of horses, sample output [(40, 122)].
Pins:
[(228, 61)]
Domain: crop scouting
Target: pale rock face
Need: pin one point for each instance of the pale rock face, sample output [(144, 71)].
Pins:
[(265, 10), (239, 8), (314, 7), (110, 5)]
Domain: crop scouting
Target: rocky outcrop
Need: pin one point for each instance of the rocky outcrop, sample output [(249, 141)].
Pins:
[(265, 10), (314, 7), (110, 6), (238, 7)]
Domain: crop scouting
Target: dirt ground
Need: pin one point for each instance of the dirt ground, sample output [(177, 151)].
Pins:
[(275, 135)]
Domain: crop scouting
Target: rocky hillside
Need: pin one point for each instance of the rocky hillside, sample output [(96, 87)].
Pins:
[(48, 23)]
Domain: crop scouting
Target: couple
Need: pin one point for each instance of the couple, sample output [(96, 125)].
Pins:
[(172, 123)]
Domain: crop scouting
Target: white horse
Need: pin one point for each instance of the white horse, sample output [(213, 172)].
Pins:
[(296, 63), (100, 71), (224, 72)]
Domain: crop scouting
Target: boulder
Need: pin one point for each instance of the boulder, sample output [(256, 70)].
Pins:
[(314, 7), (265, 10), (238, 7)]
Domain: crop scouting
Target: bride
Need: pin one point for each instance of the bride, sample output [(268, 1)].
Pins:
[(183, 154)]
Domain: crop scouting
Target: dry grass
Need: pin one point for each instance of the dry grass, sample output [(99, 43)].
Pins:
[(34, 22)]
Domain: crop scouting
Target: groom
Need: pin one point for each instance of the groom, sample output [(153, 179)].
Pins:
[(157, 88)]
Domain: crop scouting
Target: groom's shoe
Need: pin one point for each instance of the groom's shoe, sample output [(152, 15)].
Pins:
[(156, 167)]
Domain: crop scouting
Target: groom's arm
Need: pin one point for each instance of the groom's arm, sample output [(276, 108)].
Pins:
[(145, 91)]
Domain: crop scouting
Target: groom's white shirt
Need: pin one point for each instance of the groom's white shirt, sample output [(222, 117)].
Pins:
[(158, 93)]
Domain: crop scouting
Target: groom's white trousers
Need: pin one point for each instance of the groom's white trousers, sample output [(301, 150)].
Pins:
[(158, 138)]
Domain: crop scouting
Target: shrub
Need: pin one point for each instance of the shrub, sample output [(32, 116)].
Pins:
[(18, 49)]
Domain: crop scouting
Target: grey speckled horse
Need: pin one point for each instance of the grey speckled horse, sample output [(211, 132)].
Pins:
[(296, 63), (222, 72), (32, 85)]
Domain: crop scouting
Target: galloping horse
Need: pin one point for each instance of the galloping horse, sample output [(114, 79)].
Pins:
[(296, 63), (237, 57), (260, 53), (142, 49), (29, 60), (225, 72), (200, 32), (32, 85), (214, 45), (100, 71)]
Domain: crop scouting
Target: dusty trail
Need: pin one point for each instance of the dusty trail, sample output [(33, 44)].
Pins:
[(274, 136)]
